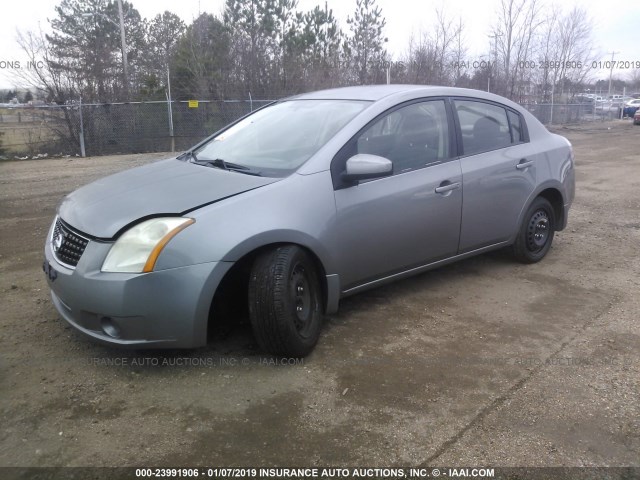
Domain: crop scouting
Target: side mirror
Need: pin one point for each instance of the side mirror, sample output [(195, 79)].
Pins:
[(364, 166)]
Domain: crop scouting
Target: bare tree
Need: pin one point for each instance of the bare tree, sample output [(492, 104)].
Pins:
[(53, 84), (634, 79), (436, 58), (419, 59), (519, 75), (459, 53), (565, 51), (576, 50), (513, 33), (44, 75), (547, 51)]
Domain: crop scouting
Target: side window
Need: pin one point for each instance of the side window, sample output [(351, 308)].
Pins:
[(411, 137), (483, 126), (516, 127)]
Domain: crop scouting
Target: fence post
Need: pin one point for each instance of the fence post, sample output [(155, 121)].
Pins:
[(82, 152), (170, 112), (250, 103), (551, 114)]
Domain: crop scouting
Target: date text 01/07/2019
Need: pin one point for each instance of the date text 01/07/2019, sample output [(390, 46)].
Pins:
[(579, 65), (550, 64), (314, 472)]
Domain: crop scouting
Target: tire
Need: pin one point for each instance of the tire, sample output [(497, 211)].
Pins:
[(285, 302), (536, 232)]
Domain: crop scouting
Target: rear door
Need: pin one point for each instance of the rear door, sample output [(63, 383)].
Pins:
[(498, 171)]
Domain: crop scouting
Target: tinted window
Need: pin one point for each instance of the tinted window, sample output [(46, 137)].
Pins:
[(484, 126), (516, 127), (411, 137)]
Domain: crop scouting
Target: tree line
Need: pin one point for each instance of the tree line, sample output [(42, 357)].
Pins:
[(263, 48), (270, 48)]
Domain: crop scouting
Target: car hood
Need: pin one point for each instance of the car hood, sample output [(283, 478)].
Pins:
[(168, 187)]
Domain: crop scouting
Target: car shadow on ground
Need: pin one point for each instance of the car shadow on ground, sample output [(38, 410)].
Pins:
[(231, 341)]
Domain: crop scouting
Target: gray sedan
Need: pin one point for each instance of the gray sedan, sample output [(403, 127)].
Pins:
[(299, 204)]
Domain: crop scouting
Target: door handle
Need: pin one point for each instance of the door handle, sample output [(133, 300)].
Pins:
[(524, 164), (448, 187)]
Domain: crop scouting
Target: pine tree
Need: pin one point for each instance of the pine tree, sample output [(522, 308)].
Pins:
[(201, 62), (162, 35), (323, 43), (365, 46), (85, 46)]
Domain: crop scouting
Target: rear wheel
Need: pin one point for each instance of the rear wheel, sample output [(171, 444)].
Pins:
[(285, 301), (536, 233)]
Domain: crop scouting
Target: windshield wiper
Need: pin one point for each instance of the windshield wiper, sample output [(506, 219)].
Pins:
[(220, 163), (230, 166)]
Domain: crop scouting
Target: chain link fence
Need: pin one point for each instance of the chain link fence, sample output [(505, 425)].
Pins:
[(563, 114), (116, 128), (123, 128)]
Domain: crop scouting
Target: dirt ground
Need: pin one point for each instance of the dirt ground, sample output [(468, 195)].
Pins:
[(486, 362)]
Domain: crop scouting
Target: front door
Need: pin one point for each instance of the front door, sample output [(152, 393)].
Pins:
[(392, 224)]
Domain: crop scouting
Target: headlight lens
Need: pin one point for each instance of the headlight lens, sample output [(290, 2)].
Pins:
[(137, 250)]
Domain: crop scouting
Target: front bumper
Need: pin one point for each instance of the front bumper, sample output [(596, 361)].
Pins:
[(161, 309)]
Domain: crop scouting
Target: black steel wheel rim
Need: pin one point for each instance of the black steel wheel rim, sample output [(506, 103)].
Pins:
[(303, 300), (538, 231)]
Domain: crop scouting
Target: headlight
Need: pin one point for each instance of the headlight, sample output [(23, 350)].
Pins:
[(137, 250)]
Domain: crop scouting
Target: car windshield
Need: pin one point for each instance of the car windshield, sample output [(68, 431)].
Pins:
[(278, 139)]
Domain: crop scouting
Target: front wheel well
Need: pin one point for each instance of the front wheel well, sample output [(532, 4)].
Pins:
[(554, 197), (229, 304)]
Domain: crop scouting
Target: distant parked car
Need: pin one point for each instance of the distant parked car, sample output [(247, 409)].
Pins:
[(586, 103), (631, 106), (616, 99), (301, 203), (636, 117)]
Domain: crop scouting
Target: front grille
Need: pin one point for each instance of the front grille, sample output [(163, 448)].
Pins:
[(68, 246)]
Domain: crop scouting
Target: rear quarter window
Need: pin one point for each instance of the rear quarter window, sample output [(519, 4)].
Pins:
[(515, 122)]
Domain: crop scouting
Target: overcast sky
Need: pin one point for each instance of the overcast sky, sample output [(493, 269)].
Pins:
[(615, 23)]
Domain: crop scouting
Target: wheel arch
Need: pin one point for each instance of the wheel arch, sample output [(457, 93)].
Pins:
[(556, 200), (234, 283), (551, 191)]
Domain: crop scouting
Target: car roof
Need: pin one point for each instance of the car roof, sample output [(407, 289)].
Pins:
[(374, 93), (377, 92), (365, 92)]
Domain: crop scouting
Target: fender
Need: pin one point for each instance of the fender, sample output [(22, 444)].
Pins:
[(331, 280)]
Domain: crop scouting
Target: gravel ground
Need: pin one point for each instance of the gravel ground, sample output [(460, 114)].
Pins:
[(486, 362)]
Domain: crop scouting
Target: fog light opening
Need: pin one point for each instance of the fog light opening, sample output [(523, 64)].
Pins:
[(109, 327)]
